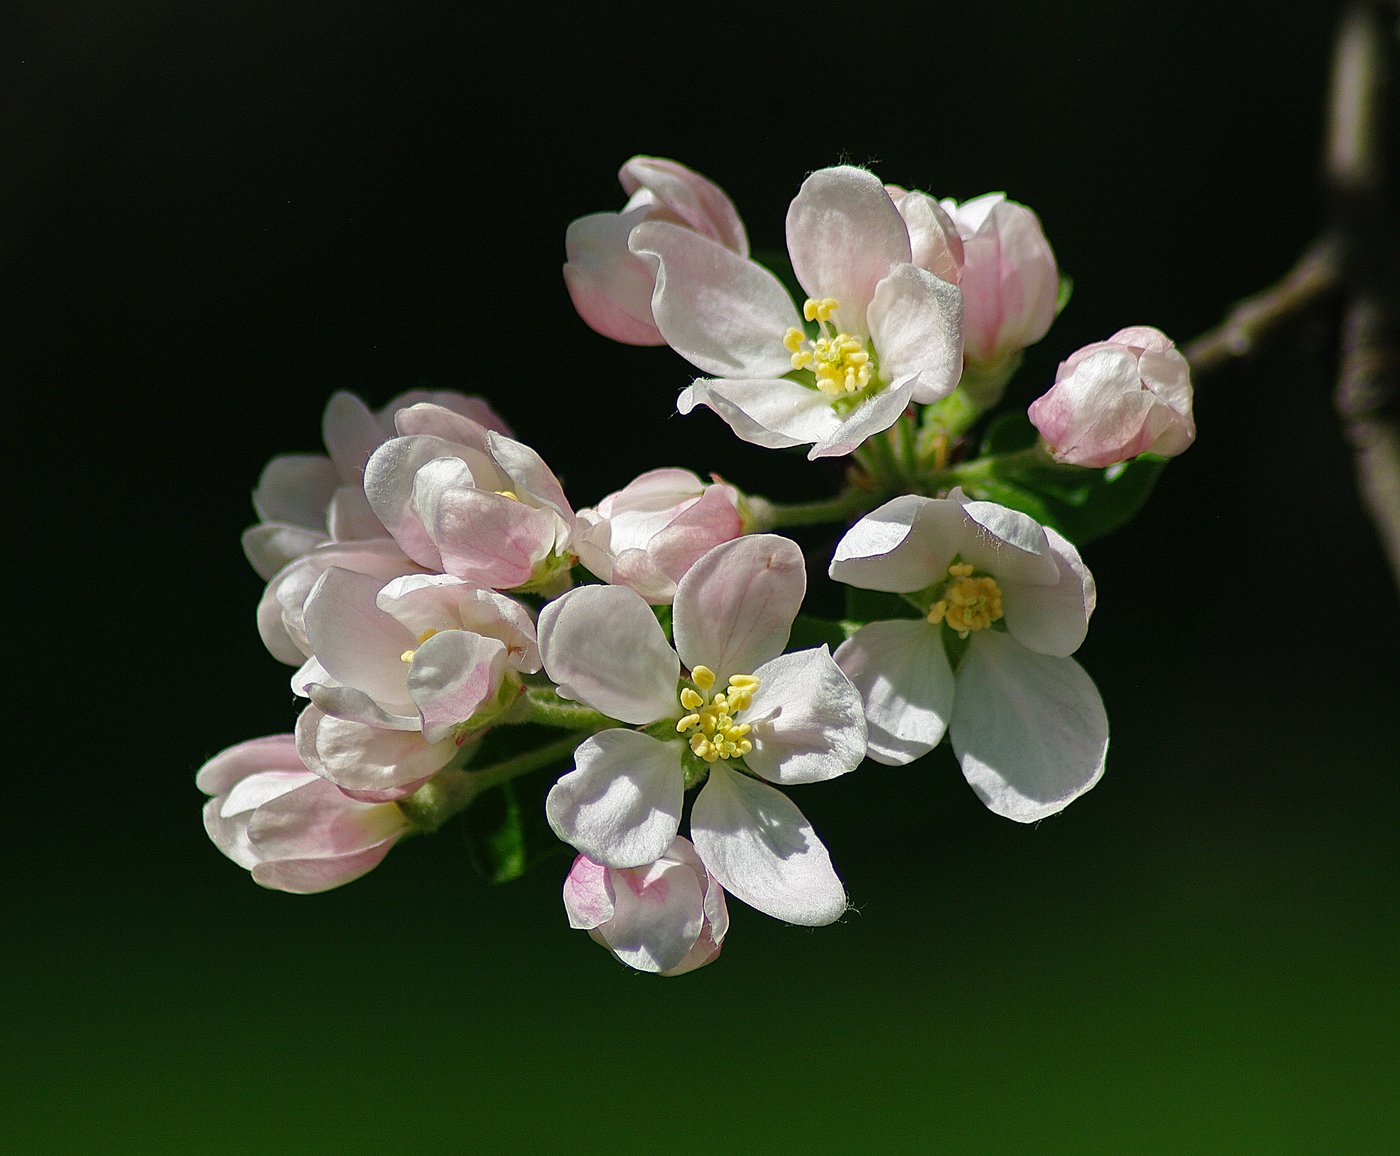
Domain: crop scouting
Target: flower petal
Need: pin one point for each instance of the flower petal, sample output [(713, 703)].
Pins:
[(365, 758), (621, 805), (735, 607), (610, 286), (296, 488), (844, 235), (900, 547), (774, 413), (902, 673), (808, 722), (723, 313), (916, 323), (484, 537), (271, 753), (761, 848), (355, 641), (1052, 619), (603, 646), (452, 676), (587, 894), (1029, 729), (874, 414), (660, 910)]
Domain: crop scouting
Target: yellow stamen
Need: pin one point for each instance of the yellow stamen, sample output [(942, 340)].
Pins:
[(968, 603), (703, 677), (511, 494), (840, 362), (714, 733), (407, 655)]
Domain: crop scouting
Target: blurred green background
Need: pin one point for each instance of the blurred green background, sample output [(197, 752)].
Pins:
[(217, 214)]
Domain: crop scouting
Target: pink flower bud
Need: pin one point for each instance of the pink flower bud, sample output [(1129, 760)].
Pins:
[(293, 830), (1116, 399), (1009, 279), (668, 917), (611, 287), (648, 534)]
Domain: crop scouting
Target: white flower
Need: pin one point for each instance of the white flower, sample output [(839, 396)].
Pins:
[(888, 332), (744, 713), (1013, 600)]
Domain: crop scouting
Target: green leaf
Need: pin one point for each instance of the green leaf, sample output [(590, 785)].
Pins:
[(1083, 504), (808, 632), (663, 616), (1009, 432), (864, 606)]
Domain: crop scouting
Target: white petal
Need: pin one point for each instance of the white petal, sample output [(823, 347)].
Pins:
[(873, 415), (269, 546), (900, 547), (902, 673), (1005, 543), (587, 894), (296, 488), (365, 758), (353, 639), (774, 413), (1052, 619), (1029, 729), (723, 313), (916, 323), (604, 647), (659, 912), (735, 607), (844, 235), (762, 849), (621, 805), (808, 722), (452, 676)]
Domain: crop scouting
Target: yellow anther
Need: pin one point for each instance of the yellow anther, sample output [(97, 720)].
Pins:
[(686, 723), (690, 699), (714, 733), (743, 681), (407, 655), (968, 603), (819, 309), (511, 494), (703, 677), (792, 341)]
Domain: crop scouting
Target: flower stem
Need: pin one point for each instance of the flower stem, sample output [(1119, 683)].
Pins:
[(541, 704), (844, 506)]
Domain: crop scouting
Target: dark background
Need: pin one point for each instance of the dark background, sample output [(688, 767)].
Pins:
[(215, 215)]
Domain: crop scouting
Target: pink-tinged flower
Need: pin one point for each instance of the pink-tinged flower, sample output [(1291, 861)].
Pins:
[(610, 286), (1010, 600), (648, 534), (1116, 399), (745, 715), (933, 234), (304, 500), (461, 499), (1010, 284), (667, 917), (884, 332), (293, 830), (401, 672)]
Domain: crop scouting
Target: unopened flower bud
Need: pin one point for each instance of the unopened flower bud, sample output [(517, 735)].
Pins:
[(1116, 399)]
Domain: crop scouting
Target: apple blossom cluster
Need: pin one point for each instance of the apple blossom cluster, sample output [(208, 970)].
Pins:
[(623, 680)]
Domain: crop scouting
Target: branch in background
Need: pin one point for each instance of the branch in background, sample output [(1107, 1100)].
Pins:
[(1368, 380)]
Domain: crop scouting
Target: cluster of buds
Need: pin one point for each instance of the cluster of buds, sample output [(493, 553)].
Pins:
[(434, 587)]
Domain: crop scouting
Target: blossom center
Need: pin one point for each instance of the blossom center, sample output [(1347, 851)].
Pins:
[(969, 603), (407, 655), (712, 722), (839, 361)]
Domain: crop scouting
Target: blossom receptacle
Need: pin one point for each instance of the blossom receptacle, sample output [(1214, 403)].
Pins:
[(744, 716), (1115, 399), (1006, 602), (884, 331), (648, 534), (305, 500), (668, 916), (1010, 284), (610, 286), (290, 828)]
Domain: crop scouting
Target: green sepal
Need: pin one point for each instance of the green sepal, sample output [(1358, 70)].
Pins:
[(505, 828), (1063, 293)]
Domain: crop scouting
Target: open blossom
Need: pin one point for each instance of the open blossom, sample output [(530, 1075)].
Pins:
[(293, 830), (1010, 284), (304, 500), (1011, 599), (610, 286), (668, 916), (648, 534), (885, 332), (744, 715), (464, 500), (400, 672), (1115, 399)]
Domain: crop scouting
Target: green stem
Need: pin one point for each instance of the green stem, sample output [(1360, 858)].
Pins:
[(541, 704), (846, 505), (979, 469), (451, 791)]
